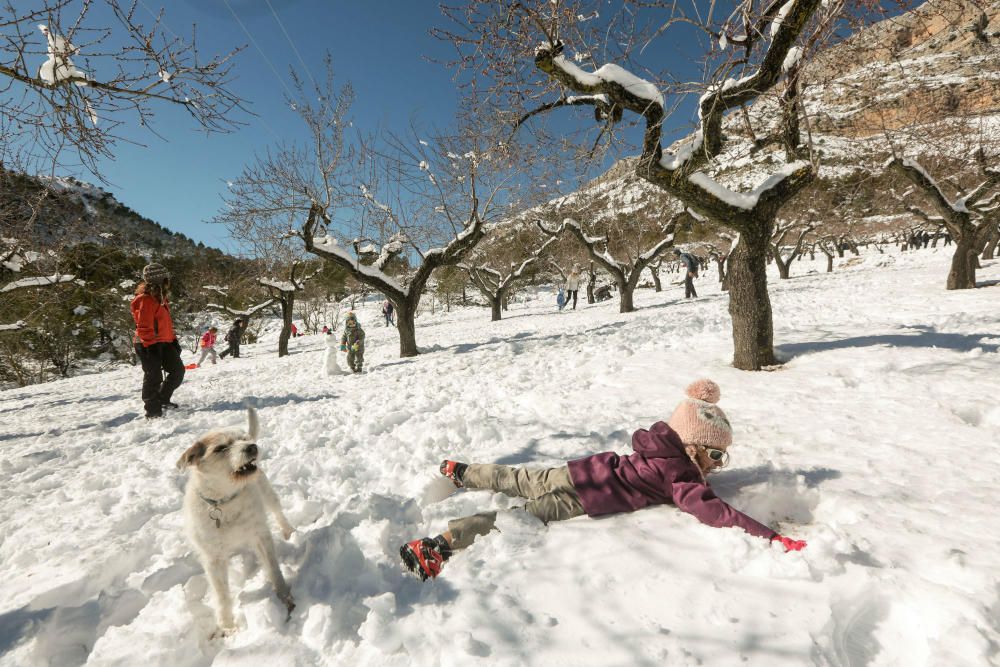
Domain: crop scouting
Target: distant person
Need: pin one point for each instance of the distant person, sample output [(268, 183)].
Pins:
[(670, 466), (207, 344), (388, 312), (690, 263), (573, 284), (561, 299), (295, 331), (326, 328), (602, 293), (353, 342), (233, 338), (156, 345)]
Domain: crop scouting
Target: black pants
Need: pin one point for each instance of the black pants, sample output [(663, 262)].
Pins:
[(689, 286), (573, 293), (157, 359), (233, 349)]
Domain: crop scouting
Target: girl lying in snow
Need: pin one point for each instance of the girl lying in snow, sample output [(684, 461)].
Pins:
[(669, 465)]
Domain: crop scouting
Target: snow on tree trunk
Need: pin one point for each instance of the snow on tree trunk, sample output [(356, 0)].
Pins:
[(749, 302)]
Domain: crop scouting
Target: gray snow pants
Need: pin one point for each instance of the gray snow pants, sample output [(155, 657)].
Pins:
[(550, 493)]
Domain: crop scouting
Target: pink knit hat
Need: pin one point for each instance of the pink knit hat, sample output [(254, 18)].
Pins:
[(698, 421)]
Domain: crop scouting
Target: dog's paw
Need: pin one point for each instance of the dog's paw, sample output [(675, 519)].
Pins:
[(289, 604), (221, 632)]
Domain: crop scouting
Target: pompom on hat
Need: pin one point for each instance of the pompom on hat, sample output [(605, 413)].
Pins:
[(155, 273), (698, 420)]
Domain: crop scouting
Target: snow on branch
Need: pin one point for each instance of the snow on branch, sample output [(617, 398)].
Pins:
[(38, 281)]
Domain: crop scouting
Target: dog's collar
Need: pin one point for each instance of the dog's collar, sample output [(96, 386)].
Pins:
[(218, 503), (214, 509)]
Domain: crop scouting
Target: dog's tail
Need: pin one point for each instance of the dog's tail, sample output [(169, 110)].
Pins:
[(254, 424)]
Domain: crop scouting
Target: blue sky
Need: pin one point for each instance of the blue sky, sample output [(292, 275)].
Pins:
[(378, 46), (381, 47)]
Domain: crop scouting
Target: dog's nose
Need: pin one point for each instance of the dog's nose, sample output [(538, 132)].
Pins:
[(251, 450)]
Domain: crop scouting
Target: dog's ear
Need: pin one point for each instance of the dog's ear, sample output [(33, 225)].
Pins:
[(192, 456)]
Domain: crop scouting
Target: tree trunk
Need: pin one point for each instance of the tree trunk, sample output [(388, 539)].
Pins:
[(287, 301), (782, 265), (749, 302), (625, 289), (405, 315), (591, 281), (829, 263), (657, 287), (496, 311), (963, 263), (991, 242)]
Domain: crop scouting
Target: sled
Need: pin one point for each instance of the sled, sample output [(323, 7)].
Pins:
[(190, 366)]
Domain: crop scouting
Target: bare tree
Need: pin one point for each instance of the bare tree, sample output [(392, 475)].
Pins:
[(73, 80), (495, 283), (626, 274), (970, 217), (777, 247), (770, 40), (284, 293)]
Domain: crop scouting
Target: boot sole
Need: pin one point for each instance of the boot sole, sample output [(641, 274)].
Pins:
[(411, 562)]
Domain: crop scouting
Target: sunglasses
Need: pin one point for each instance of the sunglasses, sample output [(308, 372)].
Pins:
[(717, 454)]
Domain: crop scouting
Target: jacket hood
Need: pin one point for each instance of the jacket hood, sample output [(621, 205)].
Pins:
[(659, 441)]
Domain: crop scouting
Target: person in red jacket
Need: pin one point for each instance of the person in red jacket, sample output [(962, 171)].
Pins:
[(207, 345), (156, 344), (669, 466)]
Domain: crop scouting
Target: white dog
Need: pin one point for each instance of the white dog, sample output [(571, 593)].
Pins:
[(224, 507)]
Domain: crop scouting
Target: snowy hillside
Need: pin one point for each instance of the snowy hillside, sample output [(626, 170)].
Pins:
[(875, 443)]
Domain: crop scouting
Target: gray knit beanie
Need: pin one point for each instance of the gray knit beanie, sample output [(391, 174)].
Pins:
[(155, 273)]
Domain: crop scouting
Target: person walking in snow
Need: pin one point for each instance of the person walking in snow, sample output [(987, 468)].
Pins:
[(670, 465), (573, 284), (387, 312), (233, 337), (207, 345), (353, 342), (155, 343), (295, 331), (690, 263), (561, 299)]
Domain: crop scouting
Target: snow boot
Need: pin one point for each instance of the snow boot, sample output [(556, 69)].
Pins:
[(425, 557), (454, 471)]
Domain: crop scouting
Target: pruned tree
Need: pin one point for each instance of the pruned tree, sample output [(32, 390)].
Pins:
[(625, 273), (770, 40), (778, 248), (969, 217), (495, 283), (284, 293), (76, 77)]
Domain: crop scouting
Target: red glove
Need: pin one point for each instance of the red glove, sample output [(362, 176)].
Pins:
[(789, 543)]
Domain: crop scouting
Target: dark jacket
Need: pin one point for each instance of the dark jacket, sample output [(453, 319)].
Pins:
[(659, 472), (690, 261), (234, 334)]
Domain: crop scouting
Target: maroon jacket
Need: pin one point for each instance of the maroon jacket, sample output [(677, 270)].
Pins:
[(659, 472)]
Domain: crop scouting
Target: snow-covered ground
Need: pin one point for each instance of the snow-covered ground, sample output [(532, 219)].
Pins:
[(876, 442)]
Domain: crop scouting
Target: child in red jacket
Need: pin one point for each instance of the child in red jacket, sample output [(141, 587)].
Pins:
[(207, 345), (156, 346), (669, 466)]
